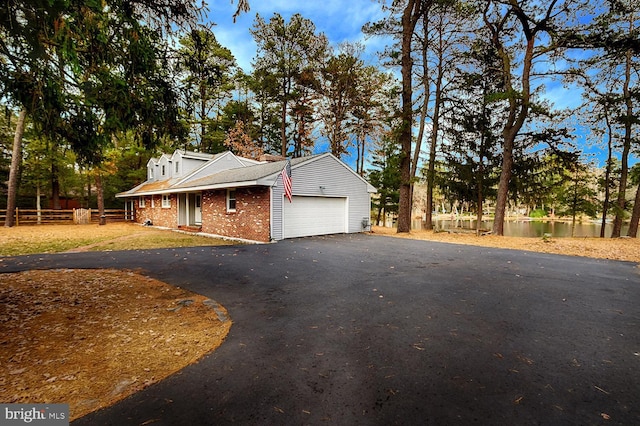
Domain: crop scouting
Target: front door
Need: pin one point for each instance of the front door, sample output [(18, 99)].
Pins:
[(198, 209)]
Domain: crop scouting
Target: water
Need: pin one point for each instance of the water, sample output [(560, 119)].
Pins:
[(529, 228)]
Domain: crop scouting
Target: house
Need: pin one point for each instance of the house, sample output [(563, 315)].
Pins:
[(237, 197)]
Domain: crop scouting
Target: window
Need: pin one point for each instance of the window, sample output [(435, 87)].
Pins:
[(231, 200), (166, 201), (141, 202), (163, 170), (177, 167), (151, 172)]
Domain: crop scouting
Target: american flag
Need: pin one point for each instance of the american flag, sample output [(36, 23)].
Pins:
[(286, 179)]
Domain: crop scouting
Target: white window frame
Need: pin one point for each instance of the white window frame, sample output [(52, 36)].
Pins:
[(231, 199), (177, 167), (164, 170), (166, 201), (142, 203)]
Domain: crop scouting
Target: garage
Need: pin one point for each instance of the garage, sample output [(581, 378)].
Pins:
[(306, 216)]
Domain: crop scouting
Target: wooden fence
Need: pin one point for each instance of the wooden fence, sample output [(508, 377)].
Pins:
[(48, 216)]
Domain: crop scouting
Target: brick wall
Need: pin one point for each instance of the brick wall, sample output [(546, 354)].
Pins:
[(158, 215), (250, 220)]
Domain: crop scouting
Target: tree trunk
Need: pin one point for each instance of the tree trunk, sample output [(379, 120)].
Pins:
[(55, 186), (283, 116), (38, 205), (409, 20), (503, 185), (480, 193), (14, 171), (100, 194), (607, 175), (431, 174), (624, 168), (433, 149), (423, 119), (635, 216)]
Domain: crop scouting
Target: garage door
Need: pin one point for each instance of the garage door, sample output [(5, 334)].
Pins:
[(306, 216)]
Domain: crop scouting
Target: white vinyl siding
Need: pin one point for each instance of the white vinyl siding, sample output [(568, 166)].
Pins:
[(323, 177), (224, 162)]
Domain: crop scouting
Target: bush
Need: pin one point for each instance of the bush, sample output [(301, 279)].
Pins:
[(538, 213)]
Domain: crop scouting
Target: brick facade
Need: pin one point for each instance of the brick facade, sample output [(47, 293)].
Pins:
[(158, 215), (250, 221)]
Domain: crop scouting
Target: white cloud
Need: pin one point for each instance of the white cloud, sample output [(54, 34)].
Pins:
[(340, 21)]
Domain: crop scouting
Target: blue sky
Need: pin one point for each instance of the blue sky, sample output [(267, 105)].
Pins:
[(339, 20)]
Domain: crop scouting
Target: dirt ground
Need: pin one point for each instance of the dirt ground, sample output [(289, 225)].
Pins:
[(92, 337), (89, 338), (627, 249)]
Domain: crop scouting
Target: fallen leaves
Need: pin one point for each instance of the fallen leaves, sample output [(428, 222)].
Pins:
[(604, 248), (92, 337)]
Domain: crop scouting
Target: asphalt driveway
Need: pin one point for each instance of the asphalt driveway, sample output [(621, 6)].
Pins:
[(361, 329)]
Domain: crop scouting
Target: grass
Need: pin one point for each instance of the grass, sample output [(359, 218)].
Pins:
[(35, 239)]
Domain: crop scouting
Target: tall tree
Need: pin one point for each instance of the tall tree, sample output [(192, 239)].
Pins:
[(339, 87), (611, 78), (473, 120), (374, 107), (268, 118), (443, 28), (385, 176), (207, 69), (521, 32), (16, 160), (635, 214), (84, 70), (285, 51), (627, 17), (412, 11)]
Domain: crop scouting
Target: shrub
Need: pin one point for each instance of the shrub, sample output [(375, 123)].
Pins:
[(538, 213)]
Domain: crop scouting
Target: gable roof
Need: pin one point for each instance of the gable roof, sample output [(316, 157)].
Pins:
[(192, 154), (247, 173), (264, 174)]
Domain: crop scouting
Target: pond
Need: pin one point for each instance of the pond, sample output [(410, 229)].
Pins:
[(530, 228)]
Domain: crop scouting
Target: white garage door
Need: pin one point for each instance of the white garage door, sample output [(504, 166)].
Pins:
[(306, 216)]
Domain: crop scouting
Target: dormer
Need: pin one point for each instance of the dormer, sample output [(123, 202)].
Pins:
[(177, 163), (164, 167), (151, 169)]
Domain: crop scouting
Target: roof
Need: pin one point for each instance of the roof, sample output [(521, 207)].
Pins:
[(258, 174), (196, 155), (250, 173)]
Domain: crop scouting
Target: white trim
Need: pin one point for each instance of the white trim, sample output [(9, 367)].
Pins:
[(271, 229), (193, 189), (235, 200)]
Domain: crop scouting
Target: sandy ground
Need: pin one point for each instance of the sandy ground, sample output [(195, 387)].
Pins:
[(627, 249), (91, 338)]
